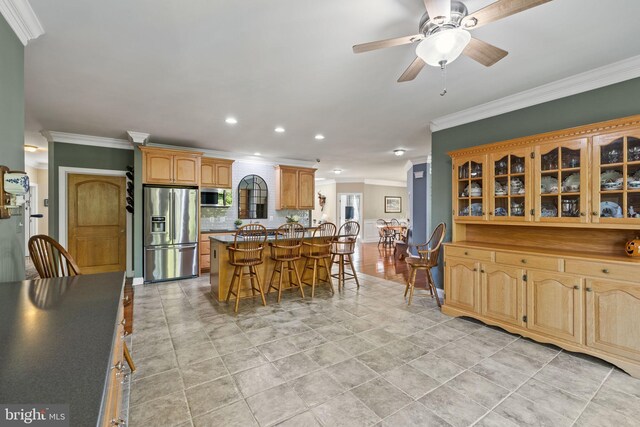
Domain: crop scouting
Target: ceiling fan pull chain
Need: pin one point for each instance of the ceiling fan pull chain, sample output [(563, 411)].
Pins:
[(443, 67)]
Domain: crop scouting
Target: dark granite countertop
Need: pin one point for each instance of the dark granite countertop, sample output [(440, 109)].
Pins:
[(227, 239), (57, 337)]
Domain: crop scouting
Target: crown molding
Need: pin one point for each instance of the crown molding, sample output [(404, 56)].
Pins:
[(324, 181), (367, 181), (593, 79), (94, 141), (22, 19)]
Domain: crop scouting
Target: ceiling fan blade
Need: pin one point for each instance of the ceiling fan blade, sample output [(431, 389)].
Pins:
[(498, 10), (412, 71), (438, 8), (381, 44), (483, 52)]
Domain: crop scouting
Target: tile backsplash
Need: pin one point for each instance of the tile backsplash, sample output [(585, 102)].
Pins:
[(223, 218)]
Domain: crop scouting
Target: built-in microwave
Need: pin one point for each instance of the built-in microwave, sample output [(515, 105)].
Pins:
[(215, 197)]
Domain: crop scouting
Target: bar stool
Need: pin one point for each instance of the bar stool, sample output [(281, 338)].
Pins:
[(343, 248), (318, 254), (285, 251), (427, 259), (246, 251)]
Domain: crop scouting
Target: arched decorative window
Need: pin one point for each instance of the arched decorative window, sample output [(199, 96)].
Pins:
[(253, 198)]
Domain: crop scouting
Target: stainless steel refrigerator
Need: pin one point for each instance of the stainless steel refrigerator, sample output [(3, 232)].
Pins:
[(170, 233)]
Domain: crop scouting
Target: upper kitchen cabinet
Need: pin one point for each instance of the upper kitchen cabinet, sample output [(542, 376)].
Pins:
[(470, 188), (616, 178), (295, 188), (170, 167), (215, 173), (561, 181)]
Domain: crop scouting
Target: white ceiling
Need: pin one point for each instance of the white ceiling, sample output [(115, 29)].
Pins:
[(176, 69)]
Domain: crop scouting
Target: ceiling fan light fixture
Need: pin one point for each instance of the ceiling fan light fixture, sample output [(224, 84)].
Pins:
[(445, 45), (470, 23)]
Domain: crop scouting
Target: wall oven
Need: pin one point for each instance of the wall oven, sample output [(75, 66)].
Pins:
[(215, 198)]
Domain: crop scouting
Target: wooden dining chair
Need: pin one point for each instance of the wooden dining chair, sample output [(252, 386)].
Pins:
[(385, 234), (428, 255), (397, 232), (246, 252), (342, 250), (317, 254), (52, 260), (286, 250)]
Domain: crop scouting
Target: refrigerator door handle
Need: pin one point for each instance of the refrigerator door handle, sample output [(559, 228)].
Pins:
[(173, 216)]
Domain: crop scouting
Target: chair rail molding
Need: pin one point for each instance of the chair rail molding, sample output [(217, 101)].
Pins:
[(22, 19), (593, 79)]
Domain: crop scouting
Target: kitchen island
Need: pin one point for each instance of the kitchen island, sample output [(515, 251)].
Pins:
[(221, 270), (61, 342)]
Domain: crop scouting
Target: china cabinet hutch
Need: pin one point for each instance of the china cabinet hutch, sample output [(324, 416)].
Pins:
[(539, 231)]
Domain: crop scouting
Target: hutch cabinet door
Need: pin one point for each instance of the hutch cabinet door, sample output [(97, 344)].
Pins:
[(158, 168), (510, 185), (470, 189), (613, 316), (306, 188), (616, 178), (461, 284), (223, 175), (561, 184), (287, 188), (186, 169), (554, 305), (503, 293), (207, 174)]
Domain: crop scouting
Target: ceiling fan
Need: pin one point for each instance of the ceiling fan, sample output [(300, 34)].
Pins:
[(443, 34)]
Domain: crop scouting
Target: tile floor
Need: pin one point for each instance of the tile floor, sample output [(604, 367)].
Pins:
[(361, 357)]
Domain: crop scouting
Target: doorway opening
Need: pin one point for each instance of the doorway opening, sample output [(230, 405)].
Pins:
[(350, 208)]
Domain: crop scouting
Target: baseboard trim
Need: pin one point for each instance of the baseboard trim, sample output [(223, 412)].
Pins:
[(138, 281)]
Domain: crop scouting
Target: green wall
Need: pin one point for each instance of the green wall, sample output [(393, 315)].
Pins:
[(80, 156), (610, 102), (11, 146)]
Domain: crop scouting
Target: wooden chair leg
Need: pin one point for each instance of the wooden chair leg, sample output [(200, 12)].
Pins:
[(128, 358), (353, 270), (273, 275), (314, 277), (432, 284), (264, 301), (329, 276), (295, 269), (412, 284), (406, 289), (280, 283), (239, 284), (233, 279)]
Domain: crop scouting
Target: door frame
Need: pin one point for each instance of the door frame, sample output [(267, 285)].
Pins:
[(63, 201), (28, 220), (360, 211)]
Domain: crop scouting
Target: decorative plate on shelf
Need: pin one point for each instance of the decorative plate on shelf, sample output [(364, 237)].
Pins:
[(499, 189), (610, 176), (476, 209), (548, 210), (500, 211), (610, 210), (548, 184)]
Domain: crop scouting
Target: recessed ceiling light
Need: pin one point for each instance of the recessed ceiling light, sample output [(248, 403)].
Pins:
[(399, 152), (256, 154), (231, 120), (279, 129), (30, 148), (319, 137), (337, 171)]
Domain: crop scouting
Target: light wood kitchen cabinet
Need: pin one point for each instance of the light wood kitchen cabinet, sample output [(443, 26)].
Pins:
[(170, 167), (215, 173), (613, 316), (470, 188), (503, 293), (461, 286), (295, 188), (510, 185), (555, 305)]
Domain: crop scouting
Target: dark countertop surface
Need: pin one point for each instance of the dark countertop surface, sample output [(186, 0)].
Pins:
[(233, 230), (57, 337), (227, 239)]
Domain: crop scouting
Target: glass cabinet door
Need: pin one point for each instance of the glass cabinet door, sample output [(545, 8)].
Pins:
[(561, 185), (616, 178), (469, 188), (510, 186)]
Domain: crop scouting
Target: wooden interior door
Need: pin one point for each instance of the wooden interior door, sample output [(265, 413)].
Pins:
[(554, 305), (503, 293), (97, 222)]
